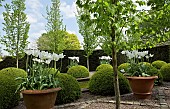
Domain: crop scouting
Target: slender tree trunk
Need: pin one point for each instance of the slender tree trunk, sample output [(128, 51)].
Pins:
[(54, 64), (114, 61), (88, 63), (17, 61), (116, 80), (27, 63)]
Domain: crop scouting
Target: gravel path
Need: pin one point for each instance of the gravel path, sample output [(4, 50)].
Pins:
[(83, 102)]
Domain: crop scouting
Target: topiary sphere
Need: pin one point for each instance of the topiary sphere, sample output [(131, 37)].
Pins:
[(155, 72), (123, 66), (165, 71), (70, 89), (78, 71), (101, 83), (158, 64), (8, 86), (104, 66)]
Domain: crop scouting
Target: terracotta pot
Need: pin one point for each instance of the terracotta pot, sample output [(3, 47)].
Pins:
[(40, 99), (142, 86)]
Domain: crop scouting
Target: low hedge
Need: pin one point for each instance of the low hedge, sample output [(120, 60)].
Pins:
[(104, 66), (8, 86), (165, 71), (158, 64), (78, 71), (70, 89), (101, 83)]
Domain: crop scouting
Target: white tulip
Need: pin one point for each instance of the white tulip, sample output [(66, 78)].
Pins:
[(122, 70), (61, 55), (147, 57), (48, 61), (74, 58), (37, 60), (29, 51), (150, 55), (55, 56), (123, 52), (36, 53)]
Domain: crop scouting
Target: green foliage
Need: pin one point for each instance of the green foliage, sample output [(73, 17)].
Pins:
[(55, 27), (165, 71), (71, 41), (158, 64), (155, 72), (102, 83), (84, 84), (52, 70), (103, 67), (40, 78), (78, 71), (8, 86), (123, 66), (70, 89), (16, 28), (90, 40)]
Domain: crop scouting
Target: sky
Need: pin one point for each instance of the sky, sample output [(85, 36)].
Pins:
[(36, 10)]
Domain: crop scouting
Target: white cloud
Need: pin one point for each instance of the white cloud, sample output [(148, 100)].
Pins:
[(31, 19), (68, 10), (1, 17), (34, 4)]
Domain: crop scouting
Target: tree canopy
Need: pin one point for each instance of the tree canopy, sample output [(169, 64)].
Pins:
[(120, 26), (16, 28), (71, 41)]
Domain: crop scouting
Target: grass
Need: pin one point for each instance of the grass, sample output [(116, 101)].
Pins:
[(84, 84)]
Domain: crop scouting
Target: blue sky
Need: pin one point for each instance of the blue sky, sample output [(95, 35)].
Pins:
[(35, 9)]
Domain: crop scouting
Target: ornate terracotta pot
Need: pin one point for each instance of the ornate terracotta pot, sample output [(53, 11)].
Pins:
[(142, 86), (40, 99)]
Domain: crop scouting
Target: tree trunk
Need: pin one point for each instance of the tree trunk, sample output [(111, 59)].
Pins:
[(116, 82), (54, 64), (17, 61), (88, 63)]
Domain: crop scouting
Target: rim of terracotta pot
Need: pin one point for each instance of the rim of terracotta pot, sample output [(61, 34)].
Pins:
[(41, 91), (148, 77)]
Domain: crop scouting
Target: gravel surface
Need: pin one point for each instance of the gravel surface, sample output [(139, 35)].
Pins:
[(112, 106), (127, 97)]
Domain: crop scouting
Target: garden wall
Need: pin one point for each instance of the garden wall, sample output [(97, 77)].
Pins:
[(160, 53)]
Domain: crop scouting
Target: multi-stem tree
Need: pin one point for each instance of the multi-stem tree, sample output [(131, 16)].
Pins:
[(90, 41), (55, 28), (16, 28), (112, 18)]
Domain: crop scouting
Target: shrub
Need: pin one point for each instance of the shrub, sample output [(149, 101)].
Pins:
[(123, 66), (155, 72), (101, 83), (8, 86), (158, 64), (165, 71), (104, 66), (78, 71), (70, 89)]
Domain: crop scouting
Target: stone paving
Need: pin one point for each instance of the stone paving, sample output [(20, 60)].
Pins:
[(162, 104)]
